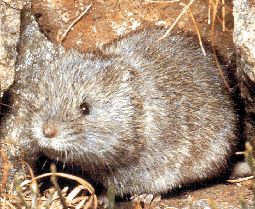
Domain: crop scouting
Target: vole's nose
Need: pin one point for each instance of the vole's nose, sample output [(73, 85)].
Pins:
[(50, 129)]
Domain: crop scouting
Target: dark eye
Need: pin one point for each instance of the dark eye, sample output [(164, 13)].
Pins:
[(84, 108)]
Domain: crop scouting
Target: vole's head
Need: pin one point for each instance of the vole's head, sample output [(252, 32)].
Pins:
[(81, 111)]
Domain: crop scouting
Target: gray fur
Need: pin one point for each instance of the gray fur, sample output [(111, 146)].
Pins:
[(159, 115)]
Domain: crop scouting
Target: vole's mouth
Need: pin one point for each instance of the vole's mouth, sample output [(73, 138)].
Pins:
[(52, 138), (57, 145), (58, 155)]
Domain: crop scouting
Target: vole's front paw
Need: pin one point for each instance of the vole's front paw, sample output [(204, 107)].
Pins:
[(146, 198), (103, 201)]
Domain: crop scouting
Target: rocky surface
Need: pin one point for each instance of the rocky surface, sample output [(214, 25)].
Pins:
[(9, 36), (244, 39)]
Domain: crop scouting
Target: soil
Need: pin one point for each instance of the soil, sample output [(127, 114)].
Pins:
[(220, 196), (105, 21)]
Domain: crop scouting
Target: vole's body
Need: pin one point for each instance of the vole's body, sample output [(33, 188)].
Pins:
[(155, 114)]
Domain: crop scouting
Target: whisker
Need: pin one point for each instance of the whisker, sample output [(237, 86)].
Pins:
[(5, 105), (44, 164)]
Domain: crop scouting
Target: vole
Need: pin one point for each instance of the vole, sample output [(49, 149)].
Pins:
[(144, 114)]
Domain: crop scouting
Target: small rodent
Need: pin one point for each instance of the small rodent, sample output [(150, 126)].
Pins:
[(146, 115)]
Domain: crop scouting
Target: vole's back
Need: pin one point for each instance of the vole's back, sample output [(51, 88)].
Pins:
[(146, 115), (186, 115)]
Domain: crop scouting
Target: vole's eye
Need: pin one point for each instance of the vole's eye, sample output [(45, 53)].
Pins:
[(84, 108)]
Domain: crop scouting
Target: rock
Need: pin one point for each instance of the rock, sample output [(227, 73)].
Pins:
[(9, 37)]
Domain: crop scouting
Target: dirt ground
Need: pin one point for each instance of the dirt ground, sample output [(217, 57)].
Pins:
[(220, 196), (102, 21)]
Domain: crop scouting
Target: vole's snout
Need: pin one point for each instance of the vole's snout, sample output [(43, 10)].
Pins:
[(50, 129)]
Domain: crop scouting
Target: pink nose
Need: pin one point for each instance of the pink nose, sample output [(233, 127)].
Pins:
[(50, 130)]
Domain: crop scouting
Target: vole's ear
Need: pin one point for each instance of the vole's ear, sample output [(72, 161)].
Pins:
[(31, 39), (241, 169), (35, 52)]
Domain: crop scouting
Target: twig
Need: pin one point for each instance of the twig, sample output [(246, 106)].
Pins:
[(49, 199), (6, 166), (85, 184), (209, 11), (221, 22), (73, 23), (214, 6), (53, 179), (220, 69), (228, 8), (223, 14), (161, 2), (64, 175), (177, 19), (33, 186), (240, 179), (20, 193), (240, 153), (198, 33)]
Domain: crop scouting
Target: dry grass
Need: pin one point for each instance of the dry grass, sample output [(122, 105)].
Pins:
[(24, 192), (213, 12), (73, 23)]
